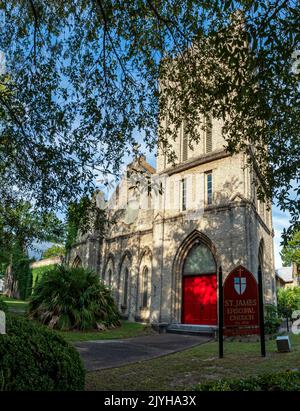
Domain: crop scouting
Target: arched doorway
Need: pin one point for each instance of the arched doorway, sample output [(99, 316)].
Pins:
[(199, 287)]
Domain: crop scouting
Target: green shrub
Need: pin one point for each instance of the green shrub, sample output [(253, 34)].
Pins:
[(3, 305), (288, 300), (73, 298), (56, 250), (37, 359), (272, 322), (284, 381)]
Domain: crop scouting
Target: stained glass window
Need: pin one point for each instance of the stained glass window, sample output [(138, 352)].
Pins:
[(199, 261)]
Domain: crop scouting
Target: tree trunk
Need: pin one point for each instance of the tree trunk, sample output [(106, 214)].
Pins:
[(10, 283)]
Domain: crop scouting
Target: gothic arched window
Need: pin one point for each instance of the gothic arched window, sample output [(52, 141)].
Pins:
[(199, 261), (77, 262), (145, 277), (125, 289), (261, 256), (109, 277)]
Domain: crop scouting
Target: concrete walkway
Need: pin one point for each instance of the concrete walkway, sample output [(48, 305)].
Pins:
[(101, 354)]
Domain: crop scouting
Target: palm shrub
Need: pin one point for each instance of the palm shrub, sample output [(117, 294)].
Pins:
[(68, 298)]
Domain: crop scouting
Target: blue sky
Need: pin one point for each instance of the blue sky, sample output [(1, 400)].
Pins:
[(280, 221)]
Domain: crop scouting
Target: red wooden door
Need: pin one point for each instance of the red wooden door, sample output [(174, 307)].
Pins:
[(200, 299)]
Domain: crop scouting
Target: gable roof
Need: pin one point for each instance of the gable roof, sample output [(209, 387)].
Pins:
[(141, 162), (285, 274)]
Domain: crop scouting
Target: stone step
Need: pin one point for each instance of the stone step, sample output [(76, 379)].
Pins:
[(191, 329)]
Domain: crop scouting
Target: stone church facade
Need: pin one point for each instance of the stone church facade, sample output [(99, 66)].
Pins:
[(161, 255)]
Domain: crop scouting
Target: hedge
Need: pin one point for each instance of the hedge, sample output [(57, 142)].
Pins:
[(33, 358), (272, 321), (3, 305), (283, 381)]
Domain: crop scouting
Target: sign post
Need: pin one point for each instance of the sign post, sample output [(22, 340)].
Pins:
[(261, 313), (221, 313)]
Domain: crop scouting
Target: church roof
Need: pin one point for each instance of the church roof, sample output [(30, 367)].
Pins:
[(148, 167), (285, 274), (141, 161)]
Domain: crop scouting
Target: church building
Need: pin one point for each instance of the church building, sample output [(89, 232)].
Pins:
[(162, 253)]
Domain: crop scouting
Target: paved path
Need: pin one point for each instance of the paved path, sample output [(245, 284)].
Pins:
[(101, 354)]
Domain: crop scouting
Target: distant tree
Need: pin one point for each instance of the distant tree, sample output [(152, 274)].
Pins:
[(84, 216), (291, 252), (20, 226), (288, 300), (54, 251)]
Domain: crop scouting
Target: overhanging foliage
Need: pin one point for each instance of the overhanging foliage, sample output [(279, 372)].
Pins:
[(83, 83)]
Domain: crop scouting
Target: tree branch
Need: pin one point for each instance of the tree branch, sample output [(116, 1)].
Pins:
[(167, 22), (277, 7), (106, 28), (35, 27), (14, 117)]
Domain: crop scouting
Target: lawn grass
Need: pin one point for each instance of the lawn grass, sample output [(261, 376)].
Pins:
[(16, 306), (182, 370), (126, 330)]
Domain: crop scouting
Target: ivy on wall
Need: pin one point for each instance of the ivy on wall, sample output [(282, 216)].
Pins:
[(38, 272), (23, 276), (17, 272)]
